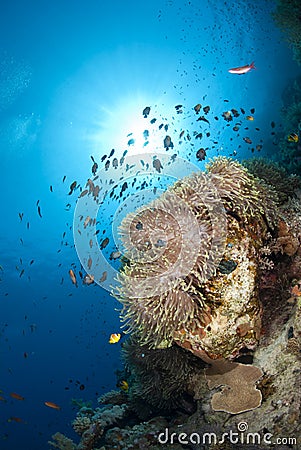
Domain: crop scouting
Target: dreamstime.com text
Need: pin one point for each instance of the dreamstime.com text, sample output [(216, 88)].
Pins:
[(241, 436)]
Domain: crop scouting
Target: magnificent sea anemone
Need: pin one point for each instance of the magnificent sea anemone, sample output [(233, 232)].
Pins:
[(192, 262)]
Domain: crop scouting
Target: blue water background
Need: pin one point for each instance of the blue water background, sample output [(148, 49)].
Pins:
[(74, 79)]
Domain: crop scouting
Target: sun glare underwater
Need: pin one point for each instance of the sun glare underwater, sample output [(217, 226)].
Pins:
[(150, 235)]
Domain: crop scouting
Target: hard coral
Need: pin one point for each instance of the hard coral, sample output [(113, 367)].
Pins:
[(62, 442), (239, 393), (99, 420)]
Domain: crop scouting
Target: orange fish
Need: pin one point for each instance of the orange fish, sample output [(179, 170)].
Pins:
[(114, 338), (243, 69), (52, 405), (16, 396), (73, 277)]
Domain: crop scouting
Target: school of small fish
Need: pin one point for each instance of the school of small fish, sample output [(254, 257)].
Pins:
[(193, 132)]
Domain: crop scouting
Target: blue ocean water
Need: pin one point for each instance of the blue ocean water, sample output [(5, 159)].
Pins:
[(74, 80)]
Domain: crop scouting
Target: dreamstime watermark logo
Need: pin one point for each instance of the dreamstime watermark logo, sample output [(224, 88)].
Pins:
[(241, 436), (138, 186)]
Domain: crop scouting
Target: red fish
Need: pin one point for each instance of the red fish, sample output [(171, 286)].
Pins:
[(73, 277), (52, 405), (16, 396), (242, 69)]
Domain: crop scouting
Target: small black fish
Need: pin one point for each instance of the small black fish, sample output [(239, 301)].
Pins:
[(64, 178), (94, 168), (103, 158), (123, 187), (39, 211), (104, 243), (201, 154), (111, 153), (146, 111), (197, 108), (167, 142), (157, 165), (203, 119), (72, 187), (51, 189), (115, 163)]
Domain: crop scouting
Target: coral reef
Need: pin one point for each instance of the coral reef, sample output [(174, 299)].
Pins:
[(288, 18), (206, 384), (290, 151)]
